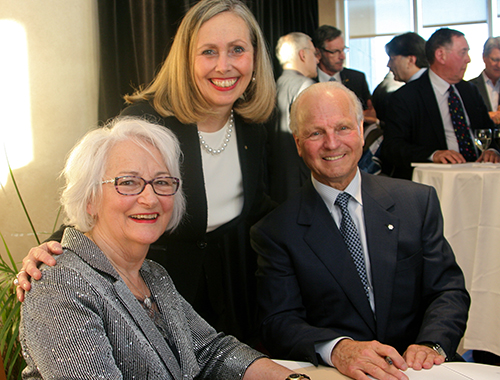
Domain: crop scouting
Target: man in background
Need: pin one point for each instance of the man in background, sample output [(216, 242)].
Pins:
[(433, 118), (287, 172), (488, 81), (332, 51), (407, 59), (407, 62)]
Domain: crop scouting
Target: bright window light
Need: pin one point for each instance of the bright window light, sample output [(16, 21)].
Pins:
[(16, 141)]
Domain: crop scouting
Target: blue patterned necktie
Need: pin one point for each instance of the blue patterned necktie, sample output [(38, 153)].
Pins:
[(351, 237), (332, 79), (465, 144)]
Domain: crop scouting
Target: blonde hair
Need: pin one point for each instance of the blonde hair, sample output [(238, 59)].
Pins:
[(174, 91), (86, 166)]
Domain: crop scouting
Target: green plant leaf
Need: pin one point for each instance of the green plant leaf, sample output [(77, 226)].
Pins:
[(22, 203)]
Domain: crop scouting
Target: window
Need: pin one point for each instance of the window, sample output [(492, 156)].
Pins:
[(373, 23)]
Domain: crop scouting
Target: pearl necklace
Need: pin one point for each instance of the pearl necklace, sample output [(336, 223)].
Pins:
[(229, 130)]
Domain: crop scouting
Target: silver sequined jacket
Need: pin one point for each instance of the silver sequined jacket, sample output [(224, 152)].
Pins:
[(80, 321)]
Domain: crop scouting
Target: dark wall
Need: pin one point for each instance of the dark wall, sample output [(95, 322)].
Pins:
[(135, 37)]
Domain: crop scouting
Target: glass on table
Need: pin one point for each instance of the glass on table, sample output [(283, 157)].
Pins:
[(482, 138)]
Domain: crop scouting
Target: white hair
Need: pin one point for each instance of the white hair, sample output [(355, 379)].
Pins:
[(321, 89), (289, 45), (86, 165)]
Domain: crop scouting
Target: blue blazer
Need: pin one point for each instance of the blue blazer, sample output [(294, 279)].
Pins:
[(309, 290)]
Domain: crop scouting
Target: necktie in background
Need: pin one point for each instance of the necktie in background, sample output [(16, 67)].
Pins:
[(465, 144), (351, 237)]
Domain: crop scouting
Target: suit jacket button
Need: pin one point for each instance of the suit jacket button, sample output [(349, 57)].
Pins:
[(201, 244)]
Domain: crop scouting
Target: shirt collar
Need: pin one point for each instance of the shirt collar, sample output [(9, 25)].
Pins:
[(324, 77), (438, 84), (418, 74), (329, 194), (489, 82)]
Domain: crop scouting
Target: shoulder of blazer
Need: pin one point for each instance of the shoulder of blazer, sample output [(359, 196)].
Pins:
[(477, 80), (352, 74), (420, 88)]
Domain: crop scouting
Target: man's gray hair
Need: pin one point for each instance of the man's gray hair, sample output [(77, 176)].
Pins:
[(490, 44), (289, 45)]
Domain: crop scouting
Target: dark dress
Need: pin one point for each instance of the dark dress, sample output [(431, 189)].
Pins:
[(215, 271)]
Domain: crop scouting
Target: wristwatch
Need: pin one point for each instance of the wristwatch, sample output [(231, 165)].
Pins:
[(297, 376), (436, 347)]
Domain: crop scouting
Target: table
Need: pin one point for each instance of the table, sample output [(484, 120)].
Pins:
[(445, 371), (470, 202), (316, 373)]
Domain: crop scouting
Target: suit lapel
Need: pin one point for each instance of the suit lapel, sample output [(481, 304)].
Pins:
[(94, 257), (334, 254), (481, 86), (382, 239), (146, 325), (430, 103), (248, 152), (193, 182)]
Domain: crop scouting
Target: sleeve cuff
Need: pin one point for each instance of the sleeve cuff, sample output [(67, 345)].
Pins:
[(325, 349)]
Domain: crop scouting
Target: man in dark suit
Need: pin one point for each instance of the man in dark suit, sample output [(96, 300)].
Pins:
[(407, 62), (419, 125), (488, 82), (286, 170), (331, 50), (403, 304)]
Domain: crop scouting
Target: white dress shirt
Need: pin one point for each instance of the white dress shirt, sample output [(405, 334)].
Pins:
[(324, 77), (440, 87), (355, 206), (418, 74), (493, 91)]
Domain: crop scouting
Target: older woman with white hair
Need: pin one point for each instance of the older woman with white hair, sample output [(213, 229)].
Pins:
[(213, 91), (104, 311)]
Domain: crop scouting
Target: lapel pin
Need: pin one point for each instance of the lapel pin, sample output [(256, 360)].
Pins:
[(390, 227)]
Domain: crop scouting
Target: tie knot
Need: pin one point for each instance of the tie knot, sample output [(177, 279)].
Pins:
[(342, 200)]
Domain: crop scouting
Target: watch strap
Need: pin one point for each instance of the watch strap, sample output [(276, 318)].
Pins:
[(297, 376), (437, 348)]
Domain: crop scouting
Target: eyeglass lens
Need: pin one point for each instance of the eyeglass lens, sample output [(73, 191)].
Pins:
[(132, 185)]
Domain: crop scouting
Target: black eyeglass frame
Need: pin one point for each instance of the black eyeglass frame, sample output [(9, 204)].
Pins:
[(115, 180), (338, 51)]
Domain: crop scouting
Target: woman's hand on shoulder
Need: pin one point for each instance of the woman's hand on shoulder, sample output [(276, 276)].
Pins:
[(36, 256)]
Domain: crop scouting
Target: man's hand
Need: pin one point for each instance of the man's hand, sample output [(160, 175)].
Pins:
[(357, 359), (448, 157), (36, 256), (495, 116), (489, 155), (418, 357)]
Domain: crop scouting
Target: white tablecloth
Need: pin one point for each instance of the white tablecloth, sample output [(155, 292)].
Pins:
[(470, 202), (445, 371)]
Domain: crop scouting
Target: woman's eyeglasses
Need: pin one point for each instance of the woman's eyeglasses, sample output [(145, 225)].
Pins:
[(134, 185)]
